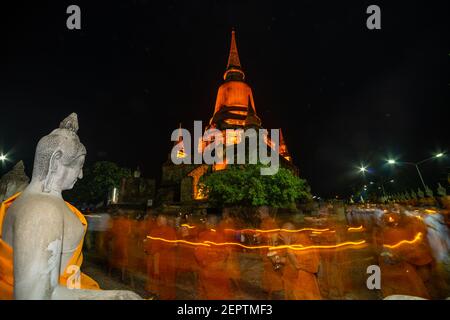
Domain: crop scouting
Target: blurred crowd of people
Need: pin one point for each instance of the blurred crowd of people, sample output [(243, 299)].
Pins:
[(205, 255), (412, 247), (172, 250)]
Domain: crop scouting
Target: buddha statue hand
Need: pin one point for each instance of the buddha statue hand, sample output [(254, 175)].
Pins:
[(389, 257)]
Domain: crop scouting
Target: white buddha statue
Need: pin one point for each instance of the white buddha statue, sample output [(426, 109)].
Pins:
[(41, 236)]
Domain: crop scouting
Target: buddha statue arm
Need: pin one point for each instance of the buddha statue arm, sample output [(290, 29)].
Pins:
[(37, 261), (37, 244)]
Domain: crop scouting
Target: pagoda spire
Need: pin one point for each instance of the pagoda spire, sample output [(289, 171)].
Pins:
[(233, 57), (234, 68), (180, 135), (283, 150), (181, 151)]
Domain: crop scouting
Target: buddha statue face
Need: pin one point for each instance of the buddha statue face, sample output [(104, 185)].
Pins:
[(59, 158)]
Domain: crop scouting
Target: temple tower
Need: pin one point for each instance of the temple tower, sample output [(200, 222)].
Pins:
[(234, 97), (234, 109)]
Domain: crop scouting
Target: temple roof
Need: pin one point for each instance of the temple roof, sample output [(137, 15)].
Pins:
[(252, 119)]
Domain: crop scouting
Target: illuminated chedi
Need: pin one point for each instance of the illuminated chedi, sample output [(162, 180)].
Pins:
[(234, 109), (234, 97)]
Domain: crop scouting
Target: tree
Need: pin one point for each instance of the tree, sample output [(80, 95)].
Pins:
[(243, 185), (407, 196), (97, 181), (441, 191), (420, 193), (428, 192)]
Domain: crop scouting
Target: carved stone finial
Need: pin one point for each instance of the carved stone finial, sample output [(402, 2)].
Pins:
[(19, 167), (70, 123)]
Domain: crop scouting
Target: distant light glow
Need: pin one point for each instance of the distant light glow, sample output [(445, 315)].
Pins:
[(115, 197), (439, 155), (391, 161), (3, 157)]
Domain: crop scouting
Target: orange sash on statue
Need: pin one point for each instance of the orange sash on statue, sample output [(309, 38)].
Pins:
[(6, 257)]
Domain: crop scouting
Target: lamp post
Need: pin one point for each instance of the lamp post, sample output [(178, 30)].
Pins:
[(382, 185), (416, 164), (363, 169)]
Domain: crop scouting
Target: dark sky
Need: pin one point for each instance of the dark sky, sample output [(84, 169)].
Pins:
[(342, 94)]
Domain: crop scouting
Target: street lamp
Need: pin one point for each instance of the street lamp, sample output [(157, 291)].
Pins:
[(3, 157), (363, 169), (416, 164)]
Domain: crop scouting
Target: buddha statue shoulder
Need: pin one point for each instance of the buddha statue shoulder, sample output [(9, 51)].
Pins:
[(41, 236)]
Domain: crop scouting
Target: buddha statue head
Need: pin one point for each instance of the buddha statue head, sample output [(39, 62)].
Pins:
[(59, 158)]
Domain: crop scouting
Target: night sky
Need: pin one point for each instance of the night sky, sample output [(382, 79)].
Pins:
[(342, 94)]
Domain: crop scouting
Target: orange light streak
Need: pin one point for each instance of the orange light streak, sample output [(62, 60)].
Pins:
[(417, 238), (296, 247), (334, 246), (179, 241), (277, 230), (187, 226), (355, 229)]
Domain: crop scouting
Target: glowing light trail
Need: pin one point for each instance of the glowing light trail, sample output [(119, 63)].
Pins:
[(277, 230), (355, 229), (179, 241), (417, 238), (292, 247)]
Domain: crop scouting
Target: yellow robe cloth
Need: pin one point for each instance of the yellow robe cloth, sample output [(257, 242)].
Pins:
[(6, 258)]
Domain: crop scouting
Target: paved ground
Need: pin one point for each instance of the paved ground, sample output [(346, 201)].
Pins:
[(250, 283), (251, 268)]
